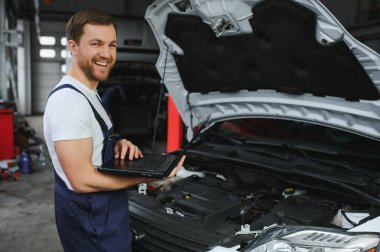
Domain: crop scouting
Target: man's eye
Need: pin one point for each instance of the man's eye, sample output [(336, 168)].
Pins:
[(113, 45), (95, 44)]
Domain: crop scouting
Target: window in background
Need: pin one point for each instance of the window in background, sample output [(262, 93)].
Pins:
[(47, 40), (63, 41), (47, 53), (63, 53)]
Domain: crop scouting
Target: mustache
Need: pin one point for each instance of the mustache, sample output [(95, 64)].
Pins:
[(107, 59)]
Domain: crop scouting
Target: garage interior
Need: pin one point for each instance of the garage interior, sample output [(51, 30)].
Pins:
[(34, 57)]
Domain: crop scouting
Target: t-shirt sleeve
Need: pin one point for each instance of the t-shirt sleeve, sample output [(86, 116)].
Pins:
[(69, 116)]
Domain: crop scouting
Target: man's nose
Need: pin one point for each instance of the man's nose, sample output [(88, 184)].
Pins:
[(105, 52)]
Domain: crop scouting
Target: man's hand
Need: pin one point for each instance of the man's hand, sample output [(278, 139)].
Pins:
[(177, 167), (123, 146)]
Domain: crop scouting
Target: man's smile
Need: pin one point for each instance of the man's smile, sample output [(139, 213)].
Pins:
[(101, 63)]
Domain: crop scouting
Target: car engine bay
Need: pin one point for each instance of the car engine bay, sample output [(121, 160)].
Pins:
[(241, 202), (207, 198)]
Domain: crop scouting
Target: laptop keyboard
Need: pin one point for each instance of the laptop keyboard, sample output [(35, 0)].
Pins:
[(150, 161)]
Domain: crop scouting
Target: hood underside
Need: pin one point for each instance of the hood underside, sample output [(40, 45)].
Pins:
[(286, 59)]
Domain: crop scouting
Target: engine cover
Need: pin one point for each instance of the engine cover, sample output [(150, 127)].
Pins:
[(304, 210), (192, 199)]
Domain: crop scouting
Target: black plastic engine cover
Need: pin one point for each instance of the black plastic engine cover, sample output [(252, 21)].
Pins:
[(303, 210), (193, 199)]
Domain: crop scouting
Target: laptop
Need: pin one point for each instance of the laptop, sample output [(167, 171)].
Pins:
[(151, 165)]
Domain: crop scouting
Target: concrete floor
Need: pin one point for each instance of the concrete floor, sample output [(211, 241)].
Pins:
[(27, 209), (27, 212)]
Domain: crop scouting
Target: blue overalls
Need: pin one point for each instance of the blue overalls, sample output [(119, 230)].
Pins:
[(92, 221)]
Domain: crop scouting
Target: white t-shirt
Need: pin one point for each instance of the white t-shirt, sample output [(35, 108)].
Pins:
[(69, 116)]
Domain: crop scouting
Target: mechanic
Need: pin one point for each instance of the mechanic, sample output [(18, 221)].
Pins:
[(91, 208)]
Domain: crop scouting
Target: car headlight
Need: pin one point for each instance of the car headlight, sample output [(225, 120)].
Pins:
[(282, 239)]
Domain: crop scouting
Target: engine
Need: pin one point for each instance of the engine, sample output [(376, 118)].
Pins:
[(216, 197)]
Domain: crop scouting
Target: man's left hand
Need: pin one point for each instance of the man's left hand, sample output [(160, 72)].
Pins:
[(123, 146)]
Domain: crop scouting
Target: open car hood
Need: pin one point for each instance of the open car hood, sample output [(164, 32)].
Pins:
[(287, 59)]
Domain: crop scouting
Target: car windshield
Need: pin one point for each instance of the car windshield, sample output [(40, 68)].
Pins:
[(318, 140)]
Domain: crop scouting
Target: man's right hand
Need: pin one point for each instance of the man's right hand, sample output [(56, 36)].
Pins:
[(123, 146)]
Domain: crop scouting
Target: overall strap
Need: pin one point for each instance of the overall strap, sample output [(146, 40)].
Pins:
[(105, 109), (100, 120)]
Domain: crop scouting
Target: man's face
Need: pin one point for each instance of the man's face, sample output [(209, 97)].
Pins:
[(96, 52)]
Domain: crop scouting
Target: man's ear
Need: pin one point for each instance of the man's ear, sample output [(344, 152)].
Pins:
[(73, 47)]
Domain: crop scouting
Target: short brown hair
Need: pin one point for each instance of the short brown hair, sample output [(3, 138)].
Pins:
[(74, 27)]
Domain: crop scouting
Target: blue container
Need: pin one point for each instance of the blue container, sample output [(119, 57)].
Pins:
[(25, 162)]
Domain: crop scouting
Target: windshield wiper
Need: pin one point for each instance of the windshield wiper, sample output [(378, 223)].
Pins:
[(343, 163), (243, 146), (303, 149), (290, 145), (339, 163), (314, 147)]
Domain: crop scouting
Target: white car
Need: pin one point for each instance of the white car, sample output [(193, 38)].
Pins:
[(290, 160)]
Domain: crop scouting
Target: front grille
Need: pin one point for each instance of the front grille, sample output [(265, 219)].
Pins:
[(157, 240)]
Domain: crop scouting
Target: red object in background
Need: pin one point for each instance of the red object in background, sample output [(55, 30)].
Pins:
[(48, 1), (6, 134), (17, 151), (175, 127)]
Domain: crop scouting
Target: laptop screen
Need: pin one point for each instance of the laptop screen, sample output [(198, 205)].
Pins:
[(196, 134)]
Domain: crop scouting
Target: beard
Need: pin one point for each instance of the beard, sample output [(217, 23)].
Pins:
[(88, 70)]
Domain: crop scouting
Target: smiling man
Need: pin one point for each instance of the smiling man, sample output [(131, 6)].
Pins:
[(91, 208)]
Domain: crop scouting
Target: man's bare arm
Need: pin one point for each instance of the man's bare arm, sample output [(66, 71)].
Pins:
[(75, 157)]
